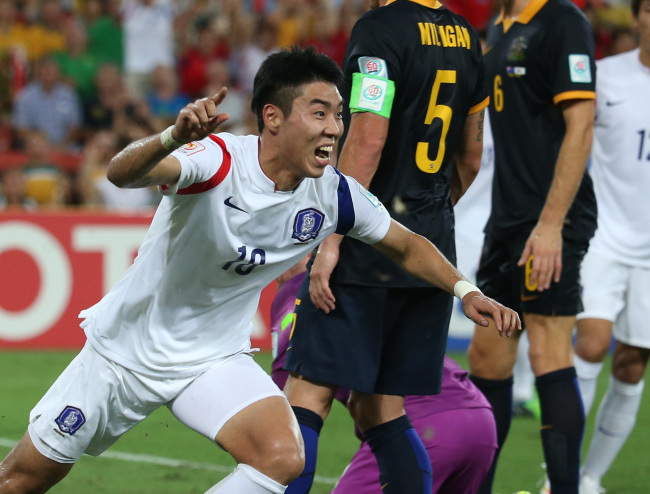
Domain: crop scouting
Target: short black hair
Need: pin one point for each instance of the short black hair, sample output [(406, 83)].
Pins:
[(636, 7), (281, 75)]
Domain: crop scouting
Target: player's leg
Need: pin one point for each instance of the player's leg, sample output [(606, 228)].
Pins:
[(341, 348), (561, 407), (236, 404), (404, 465), (619, 408), (25, 469), (92, 403), (617, 412), (491, 362), (491, 357), (593, 337), (311, 403), (415, 323), (604, 284)]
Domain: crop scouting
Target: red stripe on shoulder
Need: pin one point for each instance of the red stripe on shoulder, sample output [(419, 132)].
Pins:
[(217, 178)]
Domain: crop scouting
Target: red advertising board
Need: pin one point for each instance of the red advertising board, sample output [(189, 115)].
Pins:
[(55, 264)]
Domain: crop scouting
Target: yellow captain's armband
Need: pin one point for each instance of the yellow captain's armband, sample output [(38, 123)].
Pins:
[(372, 93)]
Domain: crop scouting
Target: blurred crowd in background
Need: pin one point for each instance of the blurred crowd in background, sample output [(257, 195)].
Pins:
[(80, 79)]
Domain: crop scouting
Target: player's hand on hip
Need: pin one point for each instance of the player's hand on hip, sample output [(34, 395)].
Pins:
[(199, 119), (319, 286), (544, 245), (476, 306)]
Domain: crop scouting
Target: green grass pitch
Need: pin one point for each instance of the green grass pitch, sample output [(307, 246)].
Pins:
[(161, 455)]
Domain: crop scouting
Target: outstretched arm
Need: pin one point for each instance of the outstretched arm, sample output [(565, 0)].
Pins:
[(147, 162), (421, 258)]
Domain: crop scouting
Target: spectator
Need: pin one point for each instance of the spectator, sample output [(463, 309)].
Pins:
[(165, 102), (218, 76), (48, 105), (148, 41), (47, 34), (210, 45), (95, 188), (12, 190), (104, 32), (45, 183), (255, 52), (77, 66)]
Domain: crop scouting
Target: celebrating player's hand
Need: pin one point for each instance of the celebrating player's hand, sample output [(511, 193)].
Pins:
[(545, 246), (199, 119), (476, 306), (319, 285)]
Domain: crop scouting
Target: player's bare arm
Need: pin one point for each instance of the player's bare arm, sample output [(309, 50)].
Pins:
[(359, 159), (545, 241), (467, 159), (363, 146), (147, 162), (421, 258)]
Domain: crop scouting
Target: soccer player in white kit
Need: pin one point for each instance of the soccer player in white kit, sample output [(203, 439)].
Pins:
[(175, 331), (616, 269)]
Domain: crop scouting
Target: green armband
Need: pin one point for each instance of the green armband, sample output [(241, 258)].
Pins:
[(372, 93)]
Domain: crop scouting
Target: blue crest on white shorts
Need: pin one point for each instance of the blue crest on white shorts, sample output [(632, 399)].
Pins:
[(70, 420), (307, 224)]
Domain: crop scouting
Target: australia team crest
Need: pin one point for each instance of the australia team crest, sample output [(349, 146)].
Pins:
[(307, 224), (70, 420)]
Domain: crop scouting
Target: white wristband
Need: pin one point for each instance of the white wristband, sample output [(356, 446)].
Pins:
[(462, 288), (168, 140)]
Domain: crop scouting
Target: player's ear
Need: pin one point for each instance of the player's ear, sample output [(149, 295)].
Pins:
[(273, 117)]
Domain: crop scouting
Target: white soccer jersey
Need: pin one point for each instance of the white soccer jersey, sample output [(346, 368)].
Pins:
[(620, 159), (219, 236)]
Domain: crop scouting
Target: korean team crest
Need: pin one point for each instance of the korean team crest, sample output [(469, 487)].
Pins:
[(70, 420), (307, 224)]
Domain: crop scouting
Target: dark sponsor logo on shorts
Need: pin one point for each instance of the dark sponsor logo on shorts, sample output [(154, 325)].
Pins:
[(70, 420)]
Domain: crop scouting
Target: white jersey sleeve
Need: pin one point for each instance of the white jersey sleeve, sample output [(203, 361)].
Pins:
[(200, 164), (371, 220)]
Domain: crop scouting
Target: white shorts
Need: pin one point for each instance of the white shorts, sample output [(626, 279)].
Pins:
[(618, 293), (94, 401)]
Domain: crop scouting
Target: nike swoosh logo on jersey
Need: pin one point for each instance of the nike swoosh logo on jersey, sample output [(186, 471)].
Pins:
[(613, 103), (528, 298), (231, 205)]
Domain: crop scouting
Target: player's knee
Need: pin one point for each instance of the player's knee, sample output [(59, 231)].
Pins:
[(631, 374), (591, 348), (282, 461), (481, 363)]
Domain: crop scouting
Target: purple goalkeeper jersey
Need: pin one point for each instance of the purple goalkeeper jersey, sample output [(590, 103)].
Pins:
[(458, 391)]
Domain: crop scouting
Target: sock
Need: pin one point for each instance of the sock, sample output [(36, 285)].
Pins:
[(563, 424), (614, 422), (404, 465), (310, 425), (587, 379), (246, 480), (524, 379), (499, 394)]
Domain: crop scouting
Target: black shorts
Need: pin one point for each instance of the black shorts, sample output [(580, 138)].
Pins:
[(499, 277), (378, 340)]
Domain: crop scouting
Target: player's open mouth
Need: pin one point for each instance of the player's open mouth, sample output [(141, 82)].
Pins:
[(323, 154)]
